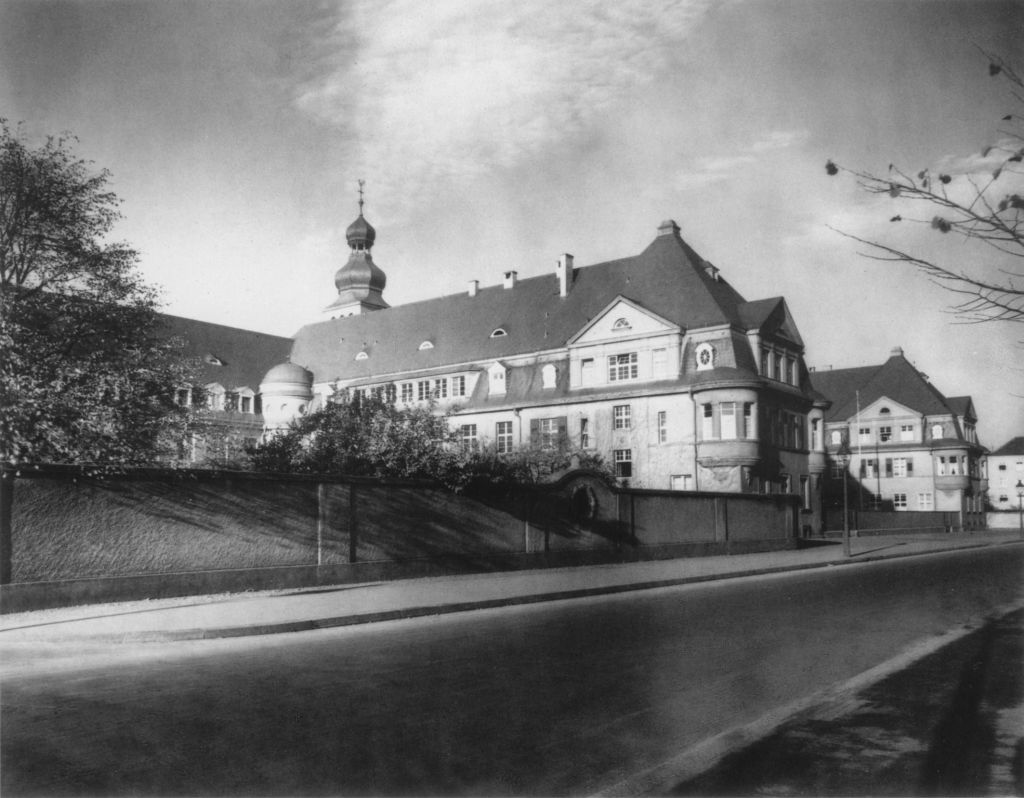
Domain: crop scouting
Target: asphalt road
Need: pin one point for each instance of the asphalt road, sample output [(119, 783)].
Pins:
[(561, 698)]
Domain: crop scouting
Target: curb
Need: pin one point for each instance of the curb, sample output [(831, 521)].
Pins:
[(406, 613)]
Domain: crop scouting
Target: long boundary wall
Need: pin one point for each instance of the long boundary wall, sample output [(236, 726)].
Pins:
[(74, 535)]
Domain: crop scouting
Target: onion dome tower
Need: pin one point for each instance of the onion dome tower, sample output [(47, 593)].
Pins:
[(360, 282)]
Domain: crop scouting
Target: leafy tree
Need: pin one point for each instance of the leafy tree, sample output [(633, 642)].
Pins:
[(979, 201), (86, 375), (360, 435)]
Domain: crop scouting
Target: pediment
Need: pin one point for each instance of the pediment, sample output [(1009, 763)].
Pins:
[(622, 319), (876, 410)]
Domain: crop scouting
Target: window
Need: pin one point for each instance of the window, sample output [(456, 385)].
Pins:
[(423, 390), (621, 325), (815, 433), (899, 467), (1002, 466), (548, 375), (246, 404), (728, 420), (503, 436), (587, 371), (805, 492), (441, 388), (868, 468), (548, 431), (924, 501), (362, 356), (836, 437), (899, 501), (936, 430), (458, 386), (183, 397), (864, 434), (791, 371), (390, 392), (468, 435), (406, 391), (659, 363), (766, 363), (708, 423), (584, 433), (662, 426), (885, 434), (681, 482), (623, 459), (426, 345), (622, 367), (621, 417), (837, 469), (500, 332), (778, 366), (906, 432), (705, 356)]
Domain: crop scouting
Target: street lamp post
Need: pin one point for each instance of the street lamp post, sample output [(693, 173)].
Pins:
[(843, 458), (1020, 504)]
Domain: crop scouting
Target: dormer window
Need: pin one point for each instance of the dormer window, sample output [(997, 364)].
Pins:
[(426, 345), (705, 357), (496, 375), (621, 325), (548, 376), (500, 332), (362, 356)]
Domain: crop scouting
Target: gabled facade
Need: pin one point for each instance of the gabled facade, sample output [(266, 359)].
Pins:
[(653, 361), (911, 448), (1005, 470)]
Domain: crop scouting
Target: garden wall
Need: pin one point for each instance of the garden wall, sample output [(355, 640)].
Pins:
[(71, 535)]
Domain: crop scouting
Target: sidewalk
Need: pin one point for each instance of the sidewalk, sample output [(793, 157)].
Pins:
[(236, 615)]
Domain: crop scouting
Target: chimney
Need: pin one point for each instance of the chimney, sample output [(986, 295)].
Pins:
[(668, 228), (564, 273), (897, 351), (474, 286), (510, 279)]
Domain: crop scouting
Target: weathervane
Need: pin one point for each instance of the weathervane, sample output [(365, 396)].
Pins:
[(361, 184)]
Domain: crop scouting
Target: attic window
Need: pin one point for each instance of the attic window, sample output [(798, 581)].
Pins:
[(885, 411), (426, 345), (621, 324), (213, 360), (500, 332), (362, 355)]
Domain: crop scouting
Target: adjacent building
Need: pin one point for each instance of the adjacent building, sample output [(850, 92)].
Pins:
[(1006, 472), (911, 448)]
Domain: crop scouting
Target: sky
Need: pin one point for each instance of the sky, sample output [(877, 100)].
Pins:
[(496, 136)]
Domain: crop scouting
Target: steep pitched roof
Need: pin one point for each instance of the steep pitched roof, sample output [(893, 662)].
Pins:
[(668, 278), (1013, 447), (244, 356), (896, 379)]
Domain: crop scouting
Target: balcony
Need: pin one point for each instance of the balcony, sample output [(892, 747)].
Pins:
[(728, 453), (952, 482)]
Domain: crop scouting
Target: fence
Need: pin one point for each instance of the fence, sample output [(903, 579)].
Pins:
[(71, 535)]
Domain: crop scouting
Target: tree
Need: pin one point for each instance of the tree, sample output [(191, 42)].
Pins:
[(86, 375), (980, 201), (359, 435)]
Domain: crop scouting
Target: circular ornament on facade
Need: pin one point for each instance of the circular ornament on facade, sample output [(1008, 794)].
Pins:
[(705, 356)]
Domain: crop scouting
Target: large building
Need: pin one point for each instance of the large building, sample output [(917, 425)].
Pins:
[(911, 447), (653, 361), (1006, 472)]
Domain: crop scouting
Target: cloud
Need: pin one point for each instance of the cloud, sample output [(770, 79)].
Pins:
[(710, 169), (425, 95)]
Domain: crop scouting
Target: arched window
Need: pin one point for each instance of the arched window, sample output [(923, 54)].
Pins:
[(548, 376), (500, 332), (426, 345), (621, 325)]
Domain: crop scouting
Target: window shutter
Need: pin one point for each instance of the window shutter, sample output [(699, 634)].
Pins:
[(563, 430), (888, 466), (535, 432), (863, 468), (910, 467)]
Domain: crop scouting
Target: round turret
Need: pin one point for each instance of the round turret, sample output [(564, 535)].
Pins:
[(286, 392)]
